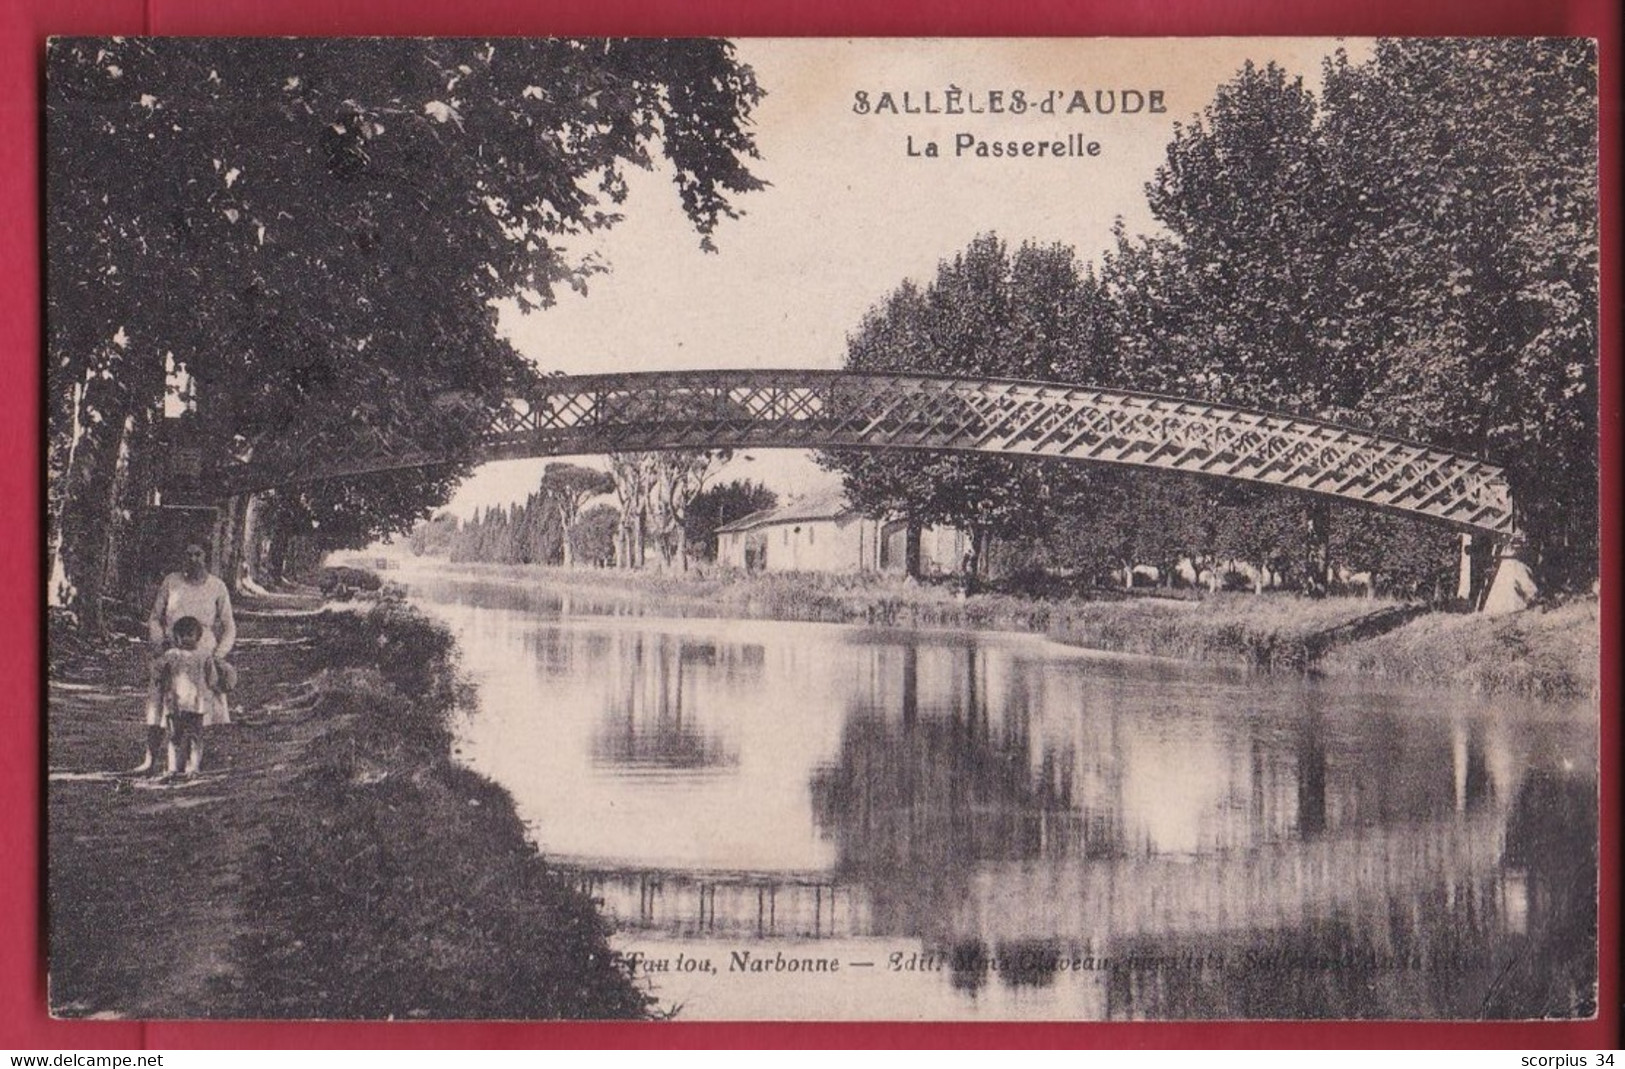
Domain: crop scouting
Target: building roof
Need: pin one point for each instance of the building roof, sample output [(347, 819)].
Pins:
[(831, 505)]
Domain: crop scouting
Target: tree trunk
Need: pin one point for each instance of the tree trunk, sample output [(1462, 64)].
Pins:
[(1318, 567), (76, 461), (106, 562), (230, 531), (911, 550), (141, 471), (248, 540), (975, 567), (221, 540), (109, 427), (276, 553)]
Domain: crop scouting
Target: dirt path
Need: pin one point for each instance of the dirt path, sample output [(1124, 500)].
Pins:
[(146, 879), (336, 862)]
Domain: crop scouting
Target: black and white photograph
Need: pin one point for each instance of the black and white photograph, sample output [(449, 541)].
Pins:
[(821, 529)]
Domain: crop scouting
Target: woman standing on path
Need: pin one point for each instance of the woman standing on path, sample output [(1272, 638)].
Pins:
[(193, 592)]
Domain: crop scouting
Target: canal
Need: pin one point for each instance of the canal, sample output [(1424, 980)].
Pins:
[(805, 820)]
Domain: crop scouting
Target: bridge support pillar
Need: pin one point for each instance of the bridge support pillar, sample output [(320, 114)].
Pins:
[(1464, 570)]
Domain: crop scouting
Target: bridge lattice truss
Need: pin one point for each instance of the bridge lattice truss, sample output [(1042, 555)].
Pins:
[(588, 414)]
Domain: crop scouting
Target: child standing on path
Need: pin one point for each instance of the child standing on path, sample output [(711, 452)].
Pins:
[(186, 674)]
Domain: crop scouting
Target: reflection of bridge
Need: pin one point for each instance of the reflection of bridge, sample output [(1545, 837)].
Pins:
[(573, 415), (1359, 872)]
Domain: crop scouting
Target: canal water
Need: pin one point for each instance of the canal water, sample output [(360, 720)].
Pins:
[(804, 820)]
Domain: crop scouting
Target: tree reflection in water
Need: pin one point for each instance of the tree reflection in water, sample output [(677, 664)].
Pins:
[(1516, 942), (1060, 833), (648, 721), (918, 798), (1335, 886)]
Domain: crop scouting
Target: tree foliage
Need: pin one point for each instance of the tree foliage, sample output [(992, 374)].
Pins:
[(1032, 314), (1477, 180), (567, 487), (722, 504), (595, 535), (526, 532), (315, 233), (1414, 251)]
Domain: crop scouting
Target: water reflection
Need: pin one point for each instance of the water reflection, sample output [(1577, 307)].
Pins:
[(1451, 941), (651, 687), (943, 782), (1037, 832)]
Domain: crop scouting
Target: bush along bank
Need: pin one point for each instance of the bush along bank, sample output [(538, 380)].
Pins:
[(397, 884)]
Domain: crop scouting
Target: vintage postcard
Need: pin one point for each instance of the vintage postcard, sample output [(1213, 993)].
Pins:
[(1080, 530)]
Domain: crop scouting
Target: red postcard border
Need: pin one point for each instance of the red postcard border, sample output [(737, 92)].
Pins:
[(23, 29)]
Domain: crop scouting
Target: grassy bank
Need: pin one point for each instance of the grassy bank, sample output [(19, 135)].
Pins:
[(410, 878), (338, 865), (1534, 653), (1276, 630), (1540, 653)]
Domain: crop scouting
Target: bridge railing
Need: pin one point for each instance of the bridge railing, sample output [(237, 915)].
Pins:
[(831, 409), (641, 411)]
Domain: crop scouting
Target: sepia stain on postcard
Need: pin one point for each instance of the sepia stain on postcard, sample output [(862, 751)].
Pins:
[(1078, 530)]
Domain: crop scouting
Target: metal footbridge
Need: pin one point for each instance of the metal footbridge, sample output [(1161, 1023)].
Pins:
[(692, 410)]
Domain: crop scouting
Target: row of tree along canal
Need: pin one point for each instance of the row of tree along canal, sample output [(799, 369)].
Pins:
[(1411, 250), (1363, 256)]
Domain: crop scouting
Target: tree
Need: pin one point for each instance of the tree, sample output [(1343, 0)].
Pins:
[(1404, 557), (595, 535), (1257, 221), (1246, 297), (722, 504), (524, 533), (1414, 253), (987, 313), (679, 476), (566, 487), (1476, 164), (434, 537), (314, 233), (634, 477)]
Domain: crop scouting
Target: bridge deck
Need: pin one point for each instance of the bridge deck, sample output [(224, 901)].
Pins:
[(587, 414)]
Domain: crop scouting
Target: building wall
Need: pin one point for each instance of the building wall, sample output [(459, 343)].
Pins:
[(942, 549), (736, 548), (848, 544)]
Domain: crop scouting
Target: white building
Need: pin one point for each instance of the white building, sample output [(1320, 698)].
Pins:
[(823, 533)]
